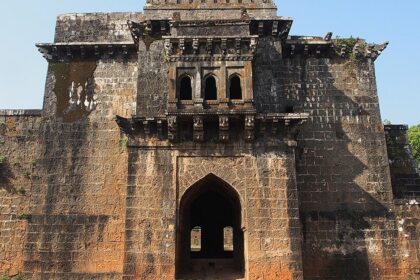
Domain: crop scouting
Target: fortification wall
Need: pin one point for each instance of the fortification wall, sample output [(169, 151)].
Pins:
[(349, 220), (19, 142), (77, 208)]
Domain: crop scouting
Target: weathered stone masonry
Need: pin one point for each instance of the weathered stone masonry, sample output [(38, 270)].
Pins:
[(209, 114)]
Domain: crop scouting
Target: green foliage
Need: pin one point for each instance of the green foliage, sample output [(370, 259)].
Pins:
[(2, 142), (24, 216), (348, 45), (124, 143), (3, 159), (20, 190), (16, 277), (414, 140), (410, 277), (387, 122), (26, 174)]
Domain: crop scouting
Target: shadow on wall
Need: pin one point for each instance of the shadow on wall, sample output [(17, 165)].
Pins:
[(6, 174), (340, 161)]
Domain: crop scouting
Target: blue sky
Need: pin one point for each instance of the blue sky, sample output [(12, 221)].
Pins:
[(24, 23)]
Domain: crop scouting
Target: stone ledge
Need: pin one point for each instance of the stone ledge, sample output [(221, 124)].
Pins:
[(396, 127), (21, 112)]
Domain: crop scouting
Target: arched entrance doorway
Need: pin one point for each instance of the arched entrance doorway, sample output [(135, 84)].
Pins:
[(210, 241)]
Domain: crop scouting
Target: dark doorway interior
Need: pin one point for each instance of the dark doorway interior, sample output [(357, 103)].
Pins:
[(210, 89), (235, 89), (212, 221), (209, 237), (185, 90)]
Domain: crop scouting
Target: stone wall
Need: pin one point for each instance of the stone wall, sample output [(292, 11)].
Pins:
[(152, 81), (77, 209), (404, 174), (95, 27), (19, 140), (265, 182), (348, 218)]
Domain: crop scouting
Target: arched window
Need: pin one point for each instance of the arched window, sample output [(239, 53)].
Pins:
[(210, 89), (228, 239), (185, 88), (196, 239), (235, 89)]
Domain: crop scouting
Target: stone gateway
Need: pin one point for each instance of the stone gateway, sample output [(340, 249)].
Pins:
[(200, 140)]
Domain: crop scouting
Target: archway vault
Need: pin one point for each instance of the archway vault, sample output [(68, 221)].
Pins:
[(212, 205), (215, 177)]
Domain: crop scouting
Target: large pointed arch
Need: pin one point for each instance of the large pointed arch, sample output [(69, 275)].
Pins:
[(211, 204)]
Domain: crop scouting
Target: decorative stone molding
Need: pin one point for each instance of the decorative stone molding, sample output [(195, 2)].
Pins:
[(212, 48), (253, 124), (86, 50), (278, 27)]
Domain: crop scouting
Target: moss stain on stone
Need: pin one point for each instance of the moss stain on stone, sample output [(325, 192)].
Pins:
[(66, 74)]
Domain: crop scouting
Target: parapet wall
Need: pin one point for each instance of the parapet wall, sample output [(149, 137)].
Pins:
[(95, 27)]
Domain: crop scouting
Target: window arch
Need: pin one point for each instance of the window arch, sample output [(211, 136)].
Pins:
[(185, 88), (235, 88), (210, 88)]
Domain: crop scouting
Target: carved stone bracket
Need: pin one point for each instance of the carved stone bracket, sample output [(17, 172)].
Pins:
[(195, 46), (136, 30), (75, 50), (205, 48), (261, 28), (249, 127), (168, 47), (159, 125), (146, 127), (283, 32), (181, 46), (223, 128), (209, 46), (151, 28), (172, 128), (274, 126), (278, 28), (358, 48), (198, 129), (281, 126)]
